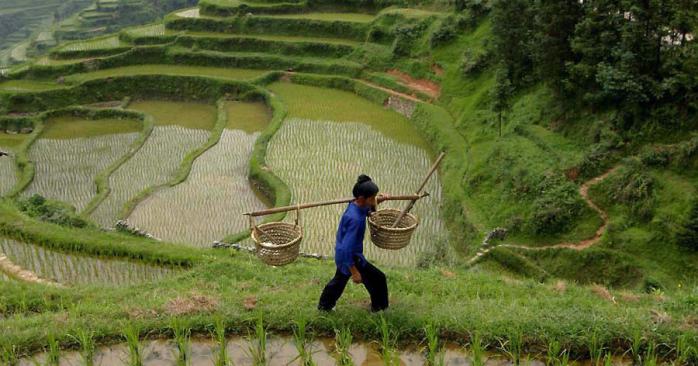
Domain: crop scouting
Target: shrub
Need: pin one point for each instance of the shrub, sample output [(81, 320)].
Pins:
[(473, 61), (634, 188), (445, 31), (687, 236), (556, 206), (51, 211)]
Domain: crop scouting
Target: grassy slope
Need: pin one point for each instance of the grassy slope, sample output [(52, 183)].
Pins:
[(493, 306), (531, 149)]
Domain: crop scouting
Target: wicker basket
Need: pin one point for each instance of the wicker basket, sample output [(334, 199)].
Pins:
[(278, 243), (386, 237)]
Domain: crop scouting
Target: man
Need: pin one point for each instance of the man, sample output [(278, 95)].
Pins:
[(349, 251)]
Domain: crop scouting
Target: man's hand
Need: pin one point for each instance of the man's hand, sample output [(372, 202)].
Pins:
[(355, 275), (382, 197)]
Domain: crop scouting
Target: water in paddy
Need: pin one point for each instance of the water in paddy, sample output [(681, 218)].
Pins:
[(8, 172), (72, 151), (74, 269), (320, 160), (180, 128), (281, 351), (209, 204)]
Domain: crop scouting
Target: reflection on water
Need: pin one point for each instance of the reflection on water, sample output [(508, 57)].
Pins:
[(281, 351)]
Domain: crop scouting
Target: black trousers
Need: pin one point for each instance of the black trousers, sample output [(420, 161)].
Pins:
[(372, 278)]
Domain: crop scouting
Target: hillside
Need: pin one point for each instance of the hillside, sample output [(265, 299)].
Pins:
[(563, 221)]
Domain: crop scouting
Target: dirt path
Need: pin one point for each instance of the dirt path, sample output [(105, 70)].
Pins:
[(22, 274), (390, 91), (584, 244), (427, 87)]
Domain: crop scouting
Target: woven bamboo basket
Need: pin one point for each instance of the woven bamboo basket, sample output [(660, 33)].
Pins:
[(386, 237), (278, 243)]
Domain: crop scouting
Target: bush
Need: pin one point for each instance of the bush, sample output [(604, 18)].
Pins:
[(556, 205), (634, 188), (445, 31), (51, 211), (687, 236), (473, 61)]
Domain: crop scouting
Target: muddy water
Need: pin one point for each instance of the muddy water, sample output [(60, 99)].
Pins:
[(281, 351), (72, 269)]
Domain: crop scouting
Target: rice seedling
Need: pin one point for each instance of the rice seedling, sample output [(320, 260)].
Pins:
[(342, 342), (513, 347), (95, 44), (258, 343), (8, 354), (608, 360), (596, 349), (152, 165), (222, 341), (302, 340), (305, 152), (150, 30), (477, 350), (77, 269), (160, 156), (215, 195), (66, 168), (86, 341), (435, 355), (388, 338), (53, 354), (553, 353), (649, 358), (684, 349), (635, 345), (182, 338), (132, 334)]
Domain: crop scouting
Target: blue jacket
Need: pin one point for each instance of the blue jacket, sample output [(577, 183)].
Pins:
[(350, 238)]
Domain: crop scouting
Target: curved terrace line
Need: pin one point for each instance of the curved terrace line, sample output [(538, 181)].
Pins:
[(579, 246), (18, 273)]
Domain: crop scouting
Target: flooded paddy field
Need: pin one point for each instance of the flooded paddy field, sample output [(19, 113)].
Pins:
[(75, 269), (180, 128), (72, 151), (209, 204), (326, 145)]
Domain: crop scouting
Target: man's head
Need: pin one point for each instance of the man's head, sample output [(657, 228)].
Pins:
[(365, 191)]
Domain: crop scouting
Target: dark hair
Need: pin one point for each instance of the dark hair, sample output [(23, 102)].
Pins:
[(365, 187)]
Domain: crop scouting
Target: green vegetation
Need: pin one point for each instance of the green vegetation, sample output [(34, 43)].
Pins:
[(569, 124)]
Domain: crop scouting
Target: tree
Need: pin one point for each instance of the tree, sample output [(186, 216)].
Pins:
[(501, 94), (554, 26), (688, 235), (511, 30)]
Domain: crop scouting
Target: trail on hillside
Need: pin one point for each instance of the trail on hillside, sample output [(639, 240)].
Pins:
[(584, 244), (21, 274)]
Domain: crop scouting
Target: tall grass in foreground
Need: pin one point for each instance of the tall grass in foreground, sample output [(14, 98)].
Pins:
[(435, 355), (387, 343), (477, 350), (685, 351), (182, 338), (53, 354), (219, 334), (258, 343), (596, 349), (87, 345), (8, 354), (342, 342), (556, 356), (131, 333), (513, 347), (302, 340)]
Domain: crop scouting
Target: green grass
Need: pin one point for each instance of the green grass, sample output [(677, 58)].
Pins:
[(68, 127), (341, 106), (346, 17), (248, 117), (27, 85), (177, 70), (274, 37), (12, 141)]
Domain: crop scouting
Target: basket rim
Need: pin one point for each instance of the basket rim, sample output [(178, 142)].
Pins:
[(277, 247), (395, 229)]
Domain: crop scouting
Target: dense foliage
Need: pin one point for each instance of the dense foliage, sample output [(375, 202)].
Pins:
[(638, 57)]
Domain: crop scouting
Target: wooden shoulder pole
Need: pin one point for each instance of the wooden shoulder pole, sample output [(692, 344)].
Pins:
[(419, 190), (411, 197)]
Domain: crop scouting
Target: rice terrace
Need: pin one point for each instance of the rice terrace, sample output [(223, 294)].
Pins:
[(178, 182)]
